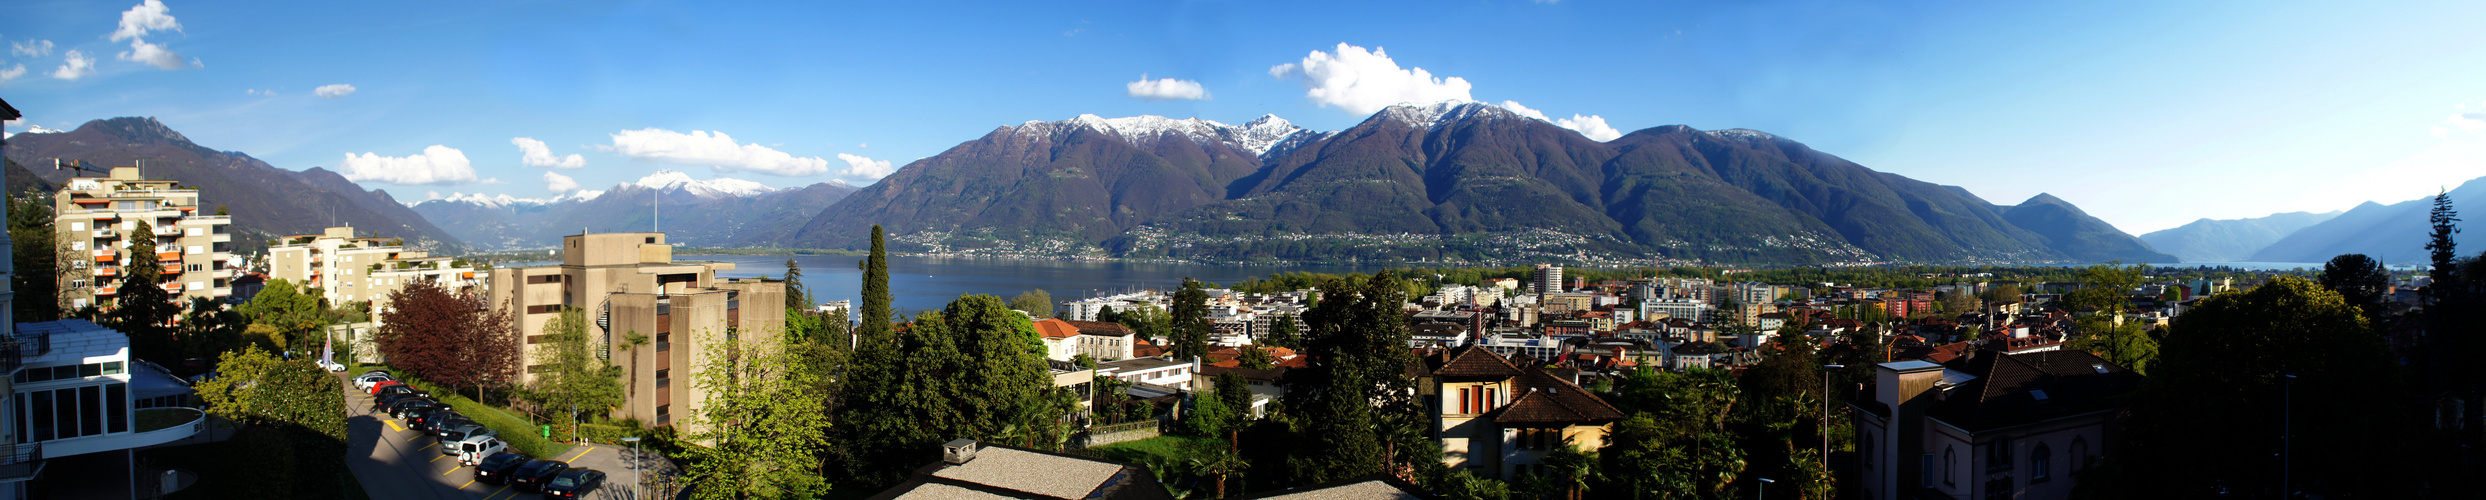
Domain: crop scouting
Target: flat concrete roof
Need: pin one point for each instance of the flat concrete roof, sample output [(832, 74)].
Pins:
[(74, 340), (1056, 476)]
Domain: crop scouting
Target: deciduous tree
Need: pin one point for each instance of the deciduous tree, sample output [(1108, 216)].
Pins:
[(573, 378), (1038, 303), (761, 426), (144, 310), (2360, 280), (294, 417), (449, 339)]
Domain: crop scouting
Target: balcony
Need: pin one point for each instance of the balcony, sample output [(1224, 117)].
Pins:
[(107, 272), (20, 462), (106, 232), (106, 255), (155, 426)]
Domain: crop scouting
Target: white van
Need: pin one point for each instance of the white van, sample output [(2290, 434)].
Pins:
[(472, 450)]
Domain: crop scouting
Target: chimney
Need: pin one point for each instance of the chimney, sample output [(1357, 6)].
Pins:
[(958, 452)]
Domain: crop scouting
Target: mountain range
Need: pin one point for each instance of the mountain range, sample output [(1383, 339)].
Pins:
[(2394, 234), (2231, 240), (265, 201), (1447, 181), (720, 212)]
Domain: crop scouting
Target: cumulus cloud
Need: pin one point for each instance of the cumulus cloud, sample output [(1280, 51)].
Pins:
[(1593, 126), (149, 16), (31, 48), (715, 150), (334, 90), (74, 65), (559, 183), (1363, 82), (535, 154), (2465, 117), (152, 54), (861, 168), (12, 73), (436, 165), (1166, 89)]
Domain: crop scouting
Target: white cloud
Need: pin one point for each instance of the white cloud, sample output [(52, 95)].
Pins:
[(74, 65), (1363, 82), (152, 54), (12, 73), (712, 149), (1166, 89), (535, 154), (270, 93), (31, 48), (559, 183), (861, 168), (145, 17), (334, 90), (1593, 126), (436, 165)]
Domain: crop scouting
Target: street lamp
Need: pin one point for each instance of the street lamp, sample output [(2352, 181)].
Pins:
[(636, 478), (1825, 412), (1764, 493)]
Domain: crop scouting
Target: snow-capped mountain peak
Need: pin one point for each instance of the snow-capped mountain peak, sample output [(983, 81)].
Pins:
[(1261, 137), (32, 129), (1430, 115), (668, 180)]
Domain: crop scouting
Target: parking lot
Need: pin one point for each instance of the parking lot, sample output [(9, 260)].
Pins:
[(394, 462)]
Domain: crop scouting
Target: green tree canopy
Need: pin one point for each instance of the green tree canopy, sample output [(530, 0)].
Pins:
[(762, 428), (144, 310), (37, 257), (2360, 280), (1038, 303)]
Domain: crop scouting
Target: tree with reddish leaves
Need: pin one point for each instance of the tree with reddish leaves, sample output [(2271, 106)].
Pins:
[(453, 339)]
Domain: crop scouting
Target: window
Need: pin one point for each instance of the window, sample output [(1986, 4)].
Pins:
[(1467, 400), (541, 279), (116, 407), (77, 226), (1925, 469), (1950, 460), (664, 378), (651, 240), (1998, 456), (550, 308), (77, 246), (2080, 454), (2041, 462)]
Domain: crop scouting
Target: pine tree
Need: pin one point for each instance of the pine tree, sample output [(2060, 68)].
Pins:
[(2441, 248), (37, 281), (1191, 324), (145, 311), (1284, 333), (798, 298)]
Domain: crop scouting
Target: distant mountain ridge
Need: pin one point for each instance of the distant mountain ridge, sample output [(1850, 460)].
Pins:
[(1454, 180), (265, 201), (721, 212), (2231, 240), (2395, 233)]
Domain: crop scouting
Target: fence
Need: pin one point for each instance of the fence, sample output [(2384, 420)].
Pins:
[(1123, 432)]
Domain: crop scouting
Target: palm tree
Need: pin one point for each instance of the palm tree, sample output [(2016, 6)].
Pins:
[(1220, 465)]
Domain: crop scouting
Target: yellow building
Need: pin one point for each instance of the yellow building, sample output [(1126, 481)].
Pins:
[(346, 269), (1496, 418), (629, 283), (93, 218)]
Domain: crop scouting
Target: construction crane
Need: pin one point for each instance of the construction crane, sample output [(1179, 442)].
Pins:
[(78, 165)]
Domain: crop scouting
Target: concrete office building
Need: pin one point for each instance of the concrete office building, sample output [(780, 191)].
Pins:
[(93, 218), (628, 283)]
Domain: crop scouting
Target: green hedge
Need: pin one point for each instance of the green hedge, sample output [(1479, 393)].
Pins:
[(523, 435)]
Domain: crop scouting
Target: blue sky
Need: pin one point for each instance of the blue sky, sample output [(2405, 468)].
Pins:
[(2148, 115)]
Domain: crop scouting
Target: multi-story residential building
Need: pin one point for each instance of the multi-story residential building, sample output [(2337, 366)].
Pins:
[(1548, 279), (628, 283), (345, 268), (1158, 371), (1987, 425), (95, 216), (1496, 418), (1696, 311)]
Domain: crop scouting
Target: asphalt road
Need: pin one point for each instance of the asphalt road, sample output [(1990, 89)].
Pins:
[(397, 463)]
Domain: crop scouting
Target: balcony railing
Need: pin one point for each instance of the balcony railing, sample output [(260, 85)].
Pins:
[(19, 462)]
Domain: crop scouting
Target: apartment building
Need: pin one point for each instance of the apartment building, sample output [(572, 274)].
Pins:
[(629, 283), (345, 268), (96, 214), (1496, 418)]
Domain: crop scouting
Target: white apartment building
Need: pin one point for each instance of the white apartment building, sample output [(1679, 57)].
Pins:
[(345, 268), (94, 216)]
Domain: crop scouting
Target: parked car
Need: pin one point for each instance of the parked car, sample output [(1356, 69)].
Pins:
[(331, 366), (382, 402), (408, 409), (573, 483), (448, 426), (472, 451), (392, 405), (463, 432), (363, 383), (384, 384), (426, 420), (530, 478), (496, 468), (405, 389)]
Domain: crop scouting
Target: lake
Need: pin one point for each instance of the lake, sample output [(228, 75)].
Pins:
[(928, 283)]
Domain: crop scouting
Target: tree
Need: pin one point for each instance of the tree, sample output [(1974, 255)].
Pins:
[(1675, 444), (1356, 401), (145, 311), (572, 378), (798, 297), (1106, 314), (2000, 294), (1257, 358), (1150, 322), (763, 426), (1191, 323), (2209, 418), (972, 370), (1236, 392), (2107, 288), (37, 258), (874, 312), (289, 314), (294, 421), (1208, 417), (1284, 333), (2442, 250), (209, 328), (2127, 345), (2360, 280), (1036, 302), (453, 340)]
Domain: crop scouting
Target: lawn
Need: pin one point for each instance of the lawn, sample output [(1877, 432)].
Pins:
[(522, 434), (1176, 448)]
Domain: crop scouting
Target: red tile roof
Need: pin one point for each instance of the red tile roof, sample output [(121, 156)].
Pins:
[(1056, 329)]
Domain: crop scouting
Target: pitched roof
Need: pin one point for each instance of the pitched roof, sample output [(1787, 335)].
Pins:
[(1546, 398), (1470, 361), (1103, 328), (1056, 329), (2014, 389)]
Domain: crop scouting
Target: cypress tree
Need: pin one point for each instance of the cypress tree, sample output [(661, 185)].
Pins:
[(145, 308), (1191, 324), (875, 311)]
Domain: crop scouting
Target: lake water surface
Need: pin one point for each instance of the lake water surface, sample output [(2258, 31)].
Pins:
[(927, 283)]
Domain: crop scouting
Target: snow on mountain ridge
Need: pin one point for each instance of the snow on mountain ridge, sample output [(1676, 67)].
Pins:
[(667, 180), (1260, 137)]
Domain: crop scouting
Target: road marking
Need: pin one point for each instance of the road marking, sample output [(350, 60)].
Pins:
[(436, 459), (393, 425), (411, 438), (580, 454), (469, 482), (425, 447), (453, 469), (497, 492)]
